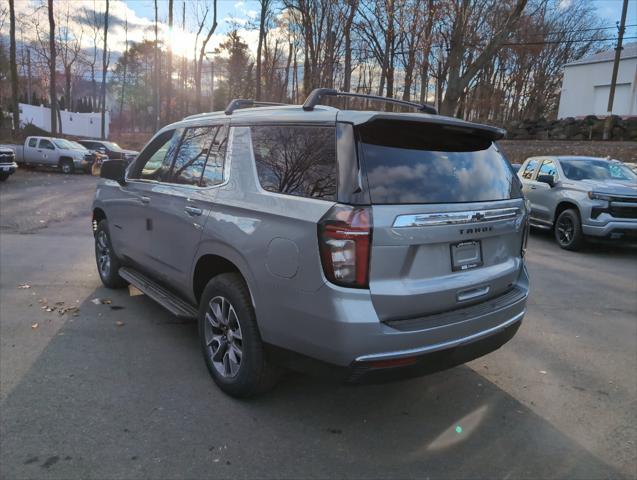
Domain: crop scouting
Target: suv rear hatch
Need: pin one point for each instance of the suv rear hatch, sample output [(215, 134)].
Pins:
[(448, 216)]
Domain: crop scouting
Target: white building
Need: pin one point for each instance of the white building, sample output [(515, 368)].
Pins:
[(586, 85), (79, 124)]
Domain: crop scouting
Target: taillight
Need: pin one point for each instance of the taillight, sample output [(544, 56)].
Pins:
[(345, 236)]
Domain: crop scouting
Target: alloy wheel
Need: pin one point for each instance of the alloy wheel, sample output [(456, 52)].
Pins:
[(565, 230), (103, 254), (223, 337)]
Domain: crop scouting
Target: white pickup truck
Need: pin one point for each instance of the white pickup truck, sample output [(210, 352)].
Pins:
[(53, 152)]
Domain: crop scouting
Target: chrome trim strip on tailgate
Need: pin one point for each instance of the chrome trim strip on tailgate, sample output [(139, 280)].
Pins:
[(454, 218)]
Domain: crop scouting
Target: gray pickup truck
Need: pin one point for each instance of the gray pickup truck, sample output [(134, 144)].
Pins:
[(581, 197), (53, 152)]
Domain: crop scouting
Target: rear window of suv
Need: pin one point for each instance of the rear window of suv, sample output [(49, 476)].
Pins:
[(412, 162)]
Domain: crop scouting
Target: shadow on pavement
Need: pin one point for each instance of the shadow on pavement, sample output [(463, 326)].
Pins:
[(124, 393)]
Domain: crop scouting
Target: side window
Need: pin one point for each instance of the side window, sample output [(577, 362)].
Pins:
[(548, 168), (33, 142), (154, 162), (44, 143), (296, 160), (192, 155), (213, 173), (529, 169)]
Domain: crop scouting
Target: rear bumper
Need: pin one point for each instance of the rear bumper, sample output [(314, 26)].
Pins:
[(345, 331)]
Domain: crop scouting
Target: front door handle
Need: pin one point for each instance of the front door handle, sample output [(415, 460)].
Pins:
[(533, 187), (145, 200), (194, 211)]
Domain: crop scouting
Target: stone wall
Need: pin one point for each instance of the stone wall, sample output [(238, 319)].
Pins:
[(587, 128)]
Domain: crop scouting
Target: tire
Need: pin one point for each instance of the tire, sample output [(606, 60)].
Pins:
[(231, 344), (66, 166), (568, 230), (3, 176), (105, 258)]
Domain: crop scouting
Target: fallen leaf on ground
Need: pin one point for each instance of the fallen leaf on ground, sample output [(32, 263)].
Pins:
[(73, 310), (133, 291), (24, 285), (101, 301), (34, 326), (543, 372), (119, 323), (116, 307)]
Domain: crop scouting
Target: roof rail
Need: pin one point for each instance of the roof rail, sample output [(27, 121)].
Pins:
[(317, 94), (238, 103)]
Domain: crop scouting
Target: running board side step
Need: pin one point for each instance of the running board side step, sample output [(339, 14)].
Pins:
[(161, 295)]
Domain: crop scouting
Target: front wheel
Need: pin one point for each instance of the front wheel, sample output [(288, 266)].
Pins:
[(67, 166), (568, 230), (107, 263), (230, 339)]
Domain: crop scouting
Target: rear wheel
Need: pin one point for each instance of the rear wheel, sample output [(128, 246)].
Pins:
[(230, 339), (568, 230), (67, 166), (107, 262)]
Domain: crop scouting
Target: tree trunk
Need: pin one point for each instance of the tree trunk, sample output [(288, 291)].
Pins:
[(157, 119), (264, 8), (52, 58), (284, 91), (169, 66), (121, 98), (104, 67), (14, 71), (347, 73), (202, 52)]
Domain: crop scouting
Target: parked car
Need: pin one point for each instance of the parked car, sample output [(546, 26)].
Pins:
[(370, 245), (581, 197), (53, 152), (8, 166), (110, 149)]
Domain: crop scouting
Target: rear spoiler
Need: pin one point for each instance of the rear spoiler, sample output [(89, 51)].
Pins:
[(478, 129)]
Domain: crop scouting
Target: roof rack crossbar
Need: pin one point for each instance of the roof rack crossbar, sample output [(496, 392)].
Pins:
[(315, 96), (238, 103)]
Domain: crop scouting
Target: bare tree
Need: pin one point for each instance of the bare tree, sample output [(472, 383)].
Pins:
[(347, 68), (104, 68), (169, 65), (458, 78), (265, 11), (123, 93), (202, 53), (14, 69), (156, 76), (70, 52)]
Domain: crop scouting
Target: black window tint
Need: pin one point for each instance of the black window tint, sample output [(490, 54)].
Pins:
[(411, 162), (548, 168), (33, 142), (154, 161), (44, 143), (296, 160), (529, 169), (213, 173), (192, 155)]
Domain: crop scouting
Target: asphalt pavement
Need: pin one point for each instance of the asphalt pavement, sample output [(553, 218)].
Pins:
[(119, 389)]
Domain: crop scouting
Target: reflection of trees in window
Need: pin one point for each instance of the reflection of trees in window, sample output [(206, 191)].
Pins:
[(192, 154), (296, 160)]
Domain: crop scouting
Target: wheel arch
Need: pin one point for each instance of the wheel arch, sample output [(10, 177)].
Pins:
[(565, 205), (215, 262)]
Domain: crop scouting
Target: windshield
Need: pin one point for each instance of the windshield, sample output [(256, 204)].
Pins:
[(65, 144), (112, 146), (596, 170), (408, 162), (77, 146)]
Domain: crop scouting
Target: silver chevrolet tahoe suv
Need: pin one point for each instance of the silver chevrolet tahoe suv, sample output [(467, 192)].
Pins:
[(364, 245), (580, 197)]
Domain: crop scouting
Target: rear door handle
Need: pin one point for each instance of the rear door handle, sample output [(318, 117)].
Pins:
[(194, 211), (145, 200)]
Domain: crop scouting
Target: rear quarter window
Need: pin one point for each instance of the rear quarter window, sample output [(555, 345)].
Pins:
[(296, 160), (412, 162)]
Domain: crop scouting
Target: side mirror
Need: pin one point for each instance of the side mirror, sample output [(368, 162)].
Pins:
[(114, 170), (548, 179)]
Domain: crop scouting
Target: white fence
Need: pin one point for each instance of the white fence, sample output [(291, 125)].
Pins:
[(78, 124)]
